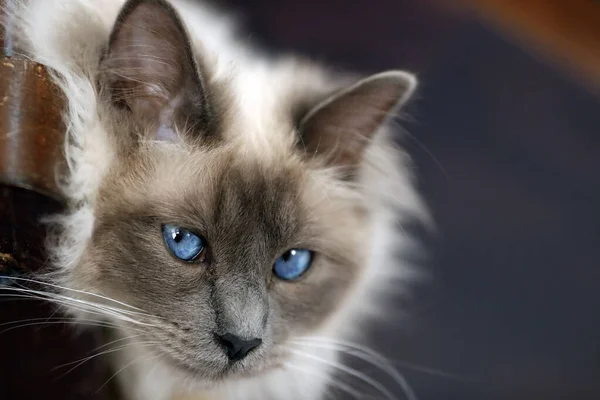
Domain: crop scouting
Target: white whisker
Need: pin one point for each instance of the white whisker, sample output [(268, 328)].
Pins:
[(54, 301), (138, 359), (84, 322), (366, 354), (350, 371), (78, 291), (123, 315), (380, 357), (53, 319), (330, 381), (82, 361), (115, 341)]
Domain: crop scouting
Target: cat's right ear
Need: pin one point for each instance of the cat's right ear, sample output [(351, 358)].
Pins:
[(150, 71)]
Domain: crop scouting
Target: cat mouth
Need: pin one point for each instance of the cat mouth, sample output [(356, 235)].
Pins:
[(214, 373), (219, 371)]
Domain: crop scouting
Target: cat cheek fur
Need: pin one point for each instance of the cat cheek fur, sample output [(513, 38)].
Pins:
[(216, 143)]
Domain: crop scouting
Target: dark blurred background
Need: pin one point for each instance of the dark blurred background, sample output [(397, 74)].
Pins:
[(506, 140), (505, 135)]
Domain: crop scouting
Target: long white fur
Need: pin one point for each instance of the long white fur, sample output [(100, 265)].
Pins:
[(68, 35)]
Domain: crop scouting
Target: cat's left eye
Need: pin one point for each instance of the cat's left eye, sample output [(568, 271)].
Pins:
[(293, 264), (184, 244)]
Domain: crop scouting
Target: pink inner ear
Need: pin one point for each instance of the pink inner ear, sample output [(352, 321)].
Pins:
[(166, 126), (166, 134), (150, 67)]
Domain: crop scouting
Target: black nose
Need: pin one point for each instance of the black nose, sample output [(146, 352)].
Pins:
[(236, 347)]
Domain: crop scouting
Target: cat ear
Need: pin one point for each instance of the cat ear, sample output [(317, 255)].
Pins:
[(150, 70), (341, 127)]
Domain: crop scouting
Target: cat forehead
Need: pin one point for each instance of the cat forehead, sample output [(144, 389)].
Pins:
[(264, 186), (218, 182), (251, 199)]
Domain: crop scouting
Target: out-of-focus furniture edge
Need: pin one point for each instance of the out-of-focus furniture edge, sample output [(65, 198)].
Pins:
[(31, 138), (566, 32)]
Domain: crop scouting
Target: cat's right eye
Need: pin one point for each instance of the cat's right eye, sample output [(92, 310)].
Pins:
[(183, 244)]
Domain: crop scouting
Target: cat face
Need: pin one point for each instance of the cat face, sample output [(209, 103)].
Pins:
[(232, 246), (247, 217)]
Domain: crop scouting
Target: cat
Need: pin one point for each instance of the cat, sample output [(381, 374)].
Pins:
[(233, 215)]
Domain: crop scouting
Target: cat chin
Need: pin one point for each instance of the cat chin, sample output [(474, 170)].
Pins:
[(228, 378), (288, 380), (213, 375)]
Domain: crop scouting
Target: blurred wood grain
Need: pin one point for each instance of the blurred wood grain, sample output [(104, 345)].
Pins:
[(567, 31)]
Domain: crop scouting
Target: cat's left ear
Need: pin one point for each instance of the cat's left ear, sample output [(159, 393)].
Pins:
[(340, 128), (150, 70)]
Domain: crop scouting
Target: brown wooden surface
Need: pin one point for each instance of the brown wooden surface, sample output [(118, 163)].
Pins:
[(29, 105), (31, 125), (31, 139)]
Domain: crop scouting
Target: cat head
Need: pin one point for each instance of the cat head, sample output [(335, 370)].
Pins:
[(236, 227)]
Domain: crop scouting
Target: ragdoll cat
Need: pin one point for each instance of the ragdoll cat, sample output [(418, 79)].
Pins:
[(233, 215)]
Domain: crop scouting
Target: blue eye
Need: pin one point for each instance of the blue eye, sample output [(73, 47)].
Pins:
[(183, 244), (292, 264)]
